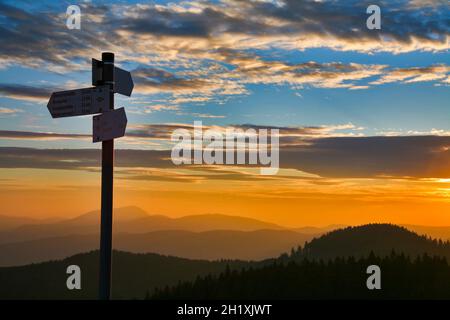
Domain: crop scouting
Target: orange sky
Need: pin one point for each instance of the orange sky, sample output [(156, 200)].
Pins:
[(305, 200)]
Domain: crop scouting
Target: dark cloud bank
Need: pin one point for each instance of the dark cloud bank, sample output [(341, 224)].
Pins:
[(408, 156)]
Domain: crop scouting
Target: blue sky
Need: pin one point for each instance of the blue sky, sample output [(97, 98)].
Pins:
[(225, 69)]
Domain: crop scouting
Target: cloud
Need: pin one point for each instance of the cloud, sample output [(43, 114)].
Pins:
[(432, 132), (77, 159), (40, 39), (413, 75), (288, 135), (48, 158), (413, 156), (154, 80), (38, 94), (250, 69), (23, 92), (218, 84), (156, 131), (189, 174), (158, 107), (292, 24), (152, 133), (29, 135), (8, 111), (187, 32), (185, 86), (416, 157), (435, 4), (206, 115), (208, 51), (253, 70)]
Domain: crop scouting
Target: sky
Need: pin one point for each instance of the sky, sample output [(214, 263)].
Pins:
[(363, 114)]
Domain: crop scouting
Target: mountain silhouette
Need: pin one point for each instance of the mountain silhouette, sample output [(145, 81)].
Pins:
[(120, 214), (319, 230), (8, 223), (442, 232), (423, 277), (133, 275), (208, 245), (334, 266), (331, 266), (379, 238), (85, 224), (132, 220)]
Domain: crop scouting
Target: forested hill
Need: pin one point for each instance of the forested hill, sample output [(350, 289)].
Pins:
[(378, 238), (133, 275), (334, 266), (342, 278)]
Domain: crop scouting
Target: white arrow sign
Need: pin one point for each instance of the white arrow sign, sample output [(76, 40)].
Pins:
[(109, 125), (123, 82), (79, 102)]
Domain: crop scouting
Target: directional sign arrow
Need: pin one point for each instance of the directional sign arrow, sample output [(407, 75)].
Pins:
[(109, 125), (79, 102), (123, 83)]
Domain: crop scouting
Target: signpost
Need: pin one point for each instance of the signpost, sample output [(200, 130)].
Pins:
[(79, 102), (123, 83), (107, 126)]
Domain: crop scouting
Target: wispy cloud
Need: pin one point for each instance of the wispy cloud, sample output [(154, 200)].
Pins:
[(208, 51), (340, 157), (412, 75), (30, 135), (9, 111), (199, 88), (38, 93), (23, 92), (202, 30)]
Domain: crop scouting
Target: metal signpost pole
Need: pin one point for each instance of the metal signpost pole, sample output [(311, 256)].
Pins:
[(107, 190)]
